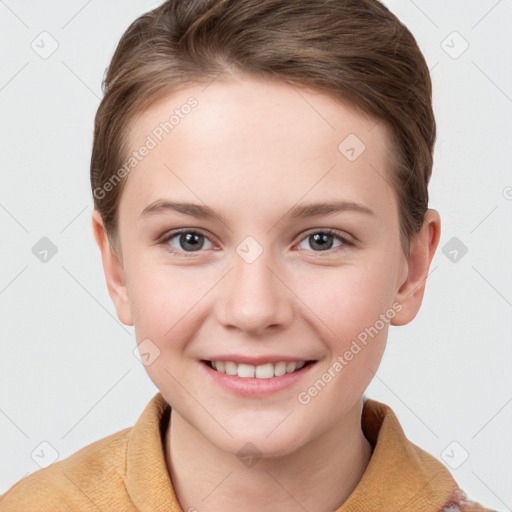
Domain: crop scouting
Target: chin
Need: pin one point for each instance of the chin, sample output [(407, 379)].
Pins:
[(260, 449), (246, 444)]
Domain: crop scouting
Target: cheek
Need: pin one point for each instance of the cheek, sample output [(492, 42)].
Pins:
[(348, 300), (354, 308), (150, 295), (163, 298)]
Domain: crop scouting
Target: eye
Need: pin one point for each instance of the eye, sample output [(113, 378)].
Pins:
[(185, 241), (325, 240)]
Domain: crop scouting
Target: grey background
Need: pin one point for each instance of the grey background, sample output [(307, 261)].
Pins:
[(68, 372)]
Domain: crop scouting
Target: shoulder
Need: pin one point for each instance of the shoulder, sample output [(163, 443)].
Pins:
[(91, 477)]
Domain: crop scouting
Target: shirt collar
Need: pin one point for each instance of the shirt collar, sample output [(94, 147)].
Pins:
[(147, 479), (400, 475)]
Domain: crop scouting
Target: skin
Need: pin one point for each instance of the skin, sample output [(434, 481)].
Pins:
[(251, 150)]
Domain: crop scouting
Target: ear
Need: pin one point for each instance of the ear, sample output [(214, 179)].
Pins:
[(113, 269), (422, 249)]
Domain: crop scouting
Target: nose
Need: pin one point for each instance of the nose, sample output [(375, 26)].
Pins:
[(254, 298)]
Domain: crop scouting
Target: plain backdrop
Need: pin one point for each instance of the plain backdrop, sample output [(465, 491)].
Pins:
[(68, 372)]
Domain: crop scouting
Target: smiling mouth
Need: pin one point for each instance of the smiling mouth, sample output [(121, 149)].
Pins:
[(262, 371)]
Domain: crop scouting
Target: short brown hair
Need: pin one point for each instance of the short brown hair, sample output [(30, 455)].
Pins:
[(353, 50)]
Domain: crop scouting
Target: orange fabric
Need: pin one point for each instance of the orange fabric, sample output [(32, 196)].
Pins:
[(127, 471)]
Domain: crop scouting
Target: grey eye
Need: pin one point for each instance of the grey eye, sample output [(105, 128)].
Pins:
[(188, 241), (321, 241)]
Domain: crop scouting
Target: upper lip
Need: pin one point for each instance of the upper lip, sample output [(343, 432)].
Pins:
[(256, 360)]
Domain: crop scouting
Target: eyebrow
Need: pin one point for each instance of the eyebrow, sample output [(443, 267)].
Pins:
[(297, 211)]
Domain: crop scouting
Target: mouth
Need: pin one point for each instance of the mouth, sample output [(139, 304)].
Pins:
[(262, 371)]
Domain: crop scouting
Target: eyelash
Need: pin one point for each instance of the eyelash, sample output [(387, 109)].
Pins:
[(164, 241)]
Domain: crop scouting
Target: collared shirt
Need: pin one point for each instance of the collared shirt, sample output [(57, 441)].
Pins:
[(127, 471)]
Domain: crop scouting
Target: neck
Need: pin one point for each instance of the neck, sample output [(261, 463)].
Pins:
[(319, 476)]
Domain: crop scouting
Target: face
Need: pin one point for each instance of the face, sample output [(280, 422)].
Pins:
[(244, 274)]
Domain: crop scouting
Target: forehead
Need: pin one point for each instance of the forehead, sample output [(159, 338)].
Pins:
[(249, 138)]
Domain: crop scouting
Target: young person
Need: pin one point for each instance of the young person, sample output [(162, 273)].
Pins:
[(260, 174)]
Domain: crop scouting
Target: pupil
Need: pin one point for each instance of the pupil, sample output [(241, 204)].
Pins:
[(320, 239), (194, 239)]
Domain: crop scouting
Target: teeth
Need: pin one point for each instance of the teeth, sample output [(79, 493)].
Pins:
[(246, 370), (265, 371), (230, 368), (280, 369), (291, 367), (262, 371)]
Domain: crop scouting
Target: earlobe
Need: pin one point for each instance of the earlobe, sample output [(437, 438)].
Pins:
[(423, 248), (113, 269)]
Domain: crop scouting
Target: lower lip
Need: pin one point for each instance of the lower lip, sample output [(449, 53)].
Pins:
[(257, 388)]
